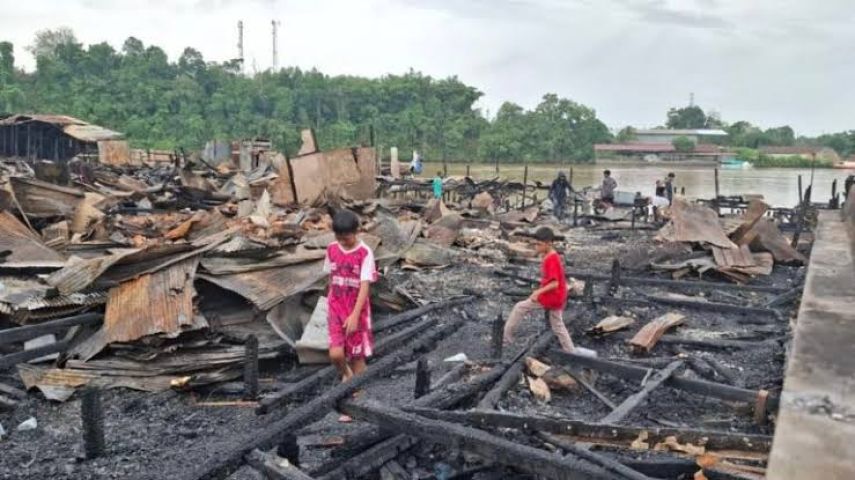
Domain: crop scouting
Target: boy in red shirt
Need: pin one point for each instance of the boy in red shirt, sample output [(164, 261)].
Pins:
[(550, 296)]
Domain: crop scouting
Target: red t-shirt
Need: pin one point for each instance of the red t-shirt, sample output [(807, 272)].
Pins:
[(553, 269)]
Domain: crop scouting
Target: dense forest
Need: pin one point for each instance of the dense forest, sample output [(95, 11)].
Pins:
[(162, 104)]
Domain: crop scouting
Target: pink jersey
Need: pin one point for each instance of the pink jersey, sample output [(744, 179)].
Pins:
[(347, 269)]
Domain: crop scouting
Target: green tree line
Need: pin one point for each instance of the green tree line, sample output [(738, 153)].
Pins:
[(162, 104)]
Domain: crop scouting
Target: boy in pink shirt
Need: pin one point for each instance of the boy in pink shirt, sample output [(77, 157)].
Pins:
[(350, 264)]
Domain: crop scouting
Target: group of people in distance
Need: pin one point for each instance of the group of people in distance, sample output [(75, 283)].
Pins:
[(560, 188)]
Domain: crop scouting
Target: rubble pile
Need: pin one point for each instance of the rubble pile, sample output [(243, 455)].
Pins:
[(182, 276)]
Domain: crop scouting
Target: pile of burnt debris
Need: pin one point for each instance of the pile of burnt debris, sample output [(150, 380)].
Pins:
[(168, 320)]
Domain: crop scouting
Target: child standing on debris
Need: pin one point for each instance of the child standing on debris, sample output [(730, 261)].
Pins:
[(350, 264), (550, 296)]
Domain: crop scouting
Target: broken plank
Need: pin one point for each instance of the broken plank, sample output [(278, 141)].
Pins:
[(637, 398), (619, 469), (12, 359), (646, 338), (372, 458), (274, 468), (220, 464), (585, 383), (714, 440), (699, 387), (500, 450), (512, 375), (397, 319), (330, 372), (20, 334)]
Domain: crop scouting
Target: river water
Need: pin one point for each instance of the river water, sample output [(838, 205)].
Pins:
[(779, 186)]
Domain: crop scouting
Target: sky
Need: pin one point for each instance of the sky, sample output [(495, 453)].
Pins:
[(771, 62)]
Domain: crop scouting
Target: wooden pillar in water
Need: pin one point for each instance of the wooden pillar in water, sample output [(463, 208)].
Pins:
[(801, 194), (525, 181), (717, 209)]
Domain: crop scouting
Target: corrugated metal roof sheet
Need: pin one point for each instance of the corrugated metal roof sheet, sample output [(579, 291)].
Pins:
[(266, 288), (652, 147), (79, 273), (25, 246), (154, 303), (42, 199), (698, 131), (59, 120), (91, 133)]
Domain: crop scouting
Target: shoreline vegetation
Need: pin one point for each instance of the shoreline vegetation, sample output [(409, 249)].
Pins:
[(181, 103)]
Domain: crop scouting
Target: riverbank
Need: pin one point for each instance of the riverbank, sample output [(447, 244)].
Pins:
[(778, 186)]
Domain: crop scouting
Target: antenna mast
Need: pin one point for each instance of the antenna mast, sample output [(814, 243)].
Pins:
[(275, 24), (240, 44)]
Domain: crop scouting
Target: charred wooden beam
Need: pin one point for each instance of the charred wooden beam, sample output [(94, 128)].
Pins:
[(372, 458), (707, 344), (656, 282), (222, 463), (713, 306), (629, 372), (12, 392), (620, 470), (443, 398), (532, 460), (585, 383), (785, 298), (453, 375), (678, 468), (399, 318), (12, 359), (274, 468), (714, 440), (637, 398), (422, 378), (512, 375), (27, 332), (329, 373)]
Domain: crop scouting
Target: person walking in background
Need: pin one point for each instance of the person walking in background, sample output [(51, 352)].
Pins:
[(669, 187), (607, 190), (659, 199), (437, 185), (550, 296), (558, 194), (416, 164)]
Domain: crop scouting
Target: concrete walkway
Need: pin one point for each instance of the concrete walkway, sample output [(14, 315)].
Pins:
[(815, 435)]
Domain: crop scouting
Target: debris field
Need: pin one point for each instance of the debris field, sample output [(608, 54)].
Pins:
[(167, 320)]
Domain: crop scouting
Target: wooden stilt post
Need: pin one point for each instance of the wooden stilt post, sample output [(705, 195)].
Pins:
[(801, 194), (525, 181), (422, 378), (614, 283), (497, 338), (92, 417), (717, 209)]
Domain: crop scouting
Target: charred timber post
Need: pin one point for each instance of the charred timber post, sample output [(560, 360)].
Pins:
[(422, 378), (26, 355), (573, 450), (639, 397), (801, 195), (250, 367), (715, 202), (289, 449), (834, 203), (614, 282), (575, 208), (497, 336), (525, 182), (92, 418), (588, 292)]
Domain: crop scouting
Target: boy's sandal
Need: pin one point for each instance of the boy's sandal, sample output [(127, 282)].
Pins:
[(345, 419)]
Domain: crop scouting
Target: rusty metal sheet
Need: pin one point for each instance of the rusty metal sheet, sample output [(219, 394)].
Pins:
[(733, 257), (154, 303), (42, 200), (79, 273), (230, 265), (767, 237), (114, 152), (691, 222), (267, 288), (25, 246), (91, 133), (53, 119), (59, 384)]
